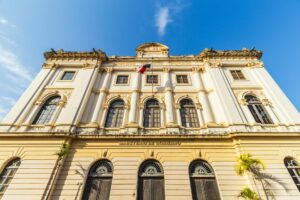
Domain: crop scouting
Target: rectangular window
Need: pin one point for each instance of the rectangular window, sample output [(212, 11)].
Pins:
[(152, 79), (182, 79), (237, 75), (67, 76), (122, 79)]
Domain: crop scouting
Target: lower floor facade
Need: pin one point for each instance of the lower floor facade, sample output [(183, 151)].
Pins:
[(133, 167)]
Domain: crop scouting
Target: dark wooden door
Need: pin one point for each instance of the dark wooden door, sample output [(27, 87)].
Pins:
[(97, 189), (204, 189), (151, 188)]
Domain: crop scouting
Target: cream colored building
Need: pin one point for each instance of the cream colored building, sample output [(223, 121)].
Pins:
[(173, 132)]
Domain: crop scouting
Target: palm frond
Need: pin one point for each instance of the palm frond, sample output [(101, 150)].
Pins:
[(249, 194)]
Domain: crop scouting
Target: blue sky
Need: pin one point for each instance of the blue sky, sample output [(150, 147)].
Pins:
[(28, 28)]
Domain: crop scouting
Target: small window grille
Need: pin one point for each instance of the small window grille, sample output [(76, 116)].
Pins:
[(122, 79), (46, 112), (68, 75), (257, 110), (237, 75), (182, 79), (152, 79), (7, 174), (152, 114), (294, 170)]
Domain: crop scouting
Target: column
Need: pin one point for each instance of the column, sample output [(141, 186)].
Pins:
[(101, 97), (134, 102), (170, 115), (103, 118), (178, 116), (206, 108), (215, 102)]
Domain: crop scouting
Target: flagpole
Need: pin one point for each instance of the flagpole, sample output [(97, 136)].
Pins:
[(152, 80)]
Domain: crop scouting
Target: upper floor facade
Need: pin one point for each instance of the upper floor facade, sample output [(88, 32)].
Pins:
[(214, 92)]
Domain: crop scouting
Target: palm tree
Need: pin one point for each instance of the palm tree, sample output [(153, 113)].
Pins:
[(249, 165), (249, 194)]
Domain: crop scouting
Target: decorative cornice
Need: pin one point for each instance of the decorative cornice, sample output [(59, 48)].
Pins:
[(61, 54), (244, 53)]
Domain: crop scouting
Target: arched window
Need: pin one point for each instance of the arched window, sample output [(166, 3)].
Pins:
[(294, 170), (188, 114), (257, 110), (152, 114), (151, 181), (46, 112), (203, 181), (115, 114), (98, 182), (7, 174)]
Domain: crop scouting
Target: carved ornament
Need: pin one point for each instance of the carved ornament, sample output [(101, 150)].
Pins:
[(244, 53), (61, 54)]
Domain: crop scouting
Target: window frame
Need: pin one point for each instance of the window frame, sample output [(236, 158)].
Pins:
[(292, 170), (90, 176), (193, 121), (150, 84), (258, 111), (119, 110), (60, 79), (43, 109), (202, 177), (118, 75), (236, 71), (187, 78), (153, 120), (6, 180)]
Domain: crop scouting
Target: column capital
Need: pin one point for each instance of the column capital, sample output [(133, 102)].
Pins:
[(198, 69), (166, 69), (108, 69)]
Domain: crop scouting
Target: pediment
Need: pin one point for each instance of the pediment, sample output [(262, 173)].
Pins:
[(152, 50)]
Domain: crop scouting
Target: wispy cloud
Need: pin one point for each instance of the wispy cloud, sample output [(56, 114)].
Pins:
[(10, 62), (7, 40), (4, 22), (165, 15), (162, 19)]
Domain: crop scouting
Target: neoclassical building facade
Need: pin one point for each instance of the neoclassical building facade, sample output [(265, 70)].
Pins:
[(90, 126)]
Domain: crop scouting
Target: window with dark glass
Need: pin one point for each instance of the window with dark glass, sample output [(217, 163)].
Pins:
[(151, 181), (257, 110), (203, 181), (122, 79), (188, 113), (237, 75), (7, 174), (115, 114), (46, 112), (182, 79), (152, 79), (293, 169), (68, 75), (152, 114), (98, 183)]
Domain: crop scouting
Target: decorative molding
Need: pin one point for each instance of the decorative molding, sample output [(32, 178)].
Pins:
[(244, 53), (47, 93), (61, 54), (152, 50)]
